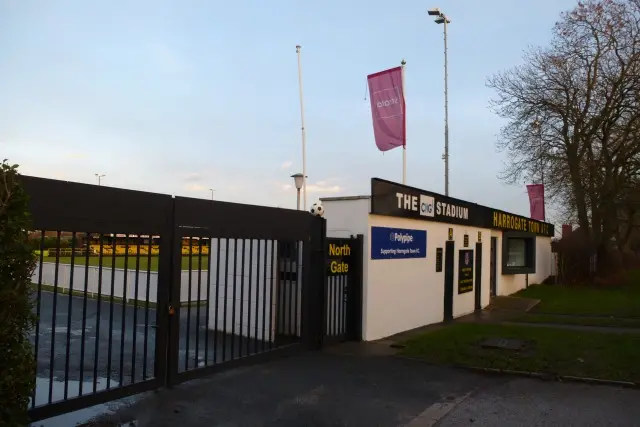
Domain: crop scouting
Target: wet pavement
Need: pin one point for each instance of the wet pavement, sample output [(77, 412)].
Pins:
[(371, 388)]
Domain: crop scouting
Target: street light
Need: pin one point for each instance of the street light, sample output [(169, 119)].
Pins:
[(212, 190), (298, 180), (100, 177), (441, 18)]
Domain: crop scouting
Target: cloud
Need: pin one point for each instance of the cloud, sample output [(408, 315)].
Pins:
[(286, 165), (194, 188)]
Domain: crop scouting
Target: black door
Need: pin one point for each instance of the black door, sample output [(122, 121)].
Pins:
[(478, 280), (492, 278), (448, 279)]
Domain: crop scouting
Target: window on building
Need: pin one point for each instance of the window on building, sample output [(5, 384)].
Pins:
[(516, 252)]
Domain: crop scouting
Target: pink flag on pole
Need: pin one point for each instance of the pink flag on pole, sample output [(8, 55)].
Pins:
[(387, 108), (536, 201)]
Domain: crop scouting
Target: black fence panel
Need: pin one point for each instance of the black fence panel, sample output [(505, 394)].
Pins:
[(97, 288)]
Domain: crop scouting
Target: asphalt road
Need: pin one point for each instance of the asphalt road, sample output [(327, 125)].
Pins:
[(119, 336), (341, 389)]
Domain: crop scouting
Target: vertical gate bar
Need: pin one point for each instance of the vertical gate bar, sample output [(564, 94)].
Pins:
[(69, 316), (332, 298), (84, 311), (53, 320), (134, 345), (314, 290), (167, 342), (111, 304), (272, 306), (123, 318), (98, 313), (334, 304), (264, 297), (290, 289), (256, 339), (233, 307), (280, 276), (296, 304), (38, 308), (146, 307), (215, 326), (249, 298), (240, 336), (226, 287), (207, 315), (354, 302), (197, 356), (339, 303), (189, 282), (343, 305)]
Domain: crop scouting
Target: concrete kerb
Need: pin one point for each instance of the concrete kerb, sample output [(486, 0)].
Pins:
[(538, 375)]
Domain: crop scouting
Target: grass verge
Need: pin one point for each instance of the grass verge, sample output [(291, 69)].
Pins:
[(585, 301), (613, 322), (550, 351)]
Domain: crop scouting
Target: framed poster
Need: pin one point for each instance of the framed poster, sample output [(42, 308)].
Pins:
[(465, 271)]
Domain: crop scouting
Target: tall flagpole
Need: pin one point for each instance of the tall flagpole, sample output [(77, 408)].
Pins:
[(404, 130), (304, 137)]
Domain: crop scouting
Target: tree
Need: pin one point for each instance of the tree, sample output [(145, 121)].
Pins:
[(17, 365), (583, 93)]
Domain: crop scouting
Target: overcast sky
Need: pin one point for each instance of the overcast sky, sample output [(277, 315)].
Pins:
[(181, 96)]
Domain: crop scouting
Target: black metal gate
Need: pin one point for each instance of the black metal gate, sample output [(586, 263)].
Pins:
[(343, 308), (135, 291), (251, 297)]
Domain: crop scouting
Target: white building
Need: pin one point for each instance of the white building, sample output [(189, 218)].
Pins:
[(429, 258)]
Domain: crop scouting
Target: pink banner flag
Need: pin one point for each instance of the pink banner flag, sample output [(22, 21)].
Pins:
[(536, 201), (387, 108)]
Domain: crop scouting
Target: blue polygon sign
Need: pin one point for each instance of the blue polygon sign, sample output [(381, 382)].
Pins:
[(398, 243)]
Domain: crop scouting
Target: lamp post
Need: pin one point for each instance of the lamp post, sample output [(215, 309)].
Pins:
[(298, 180), (100, 176), (212, 190), (441, 18)]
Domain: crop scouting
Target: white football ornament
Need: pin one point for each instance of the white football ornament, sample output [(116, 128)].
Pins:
[(317, 209)]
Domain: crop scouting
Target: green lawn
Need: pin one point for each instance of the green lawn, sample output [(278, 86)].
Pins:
[(586, 300), (131, 262), (578, 320), (554, 351)]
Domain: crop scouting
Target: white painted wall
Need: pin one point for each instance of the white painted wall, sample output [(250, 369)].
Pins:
[(64, 280), (249, 289), (405, 294)]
